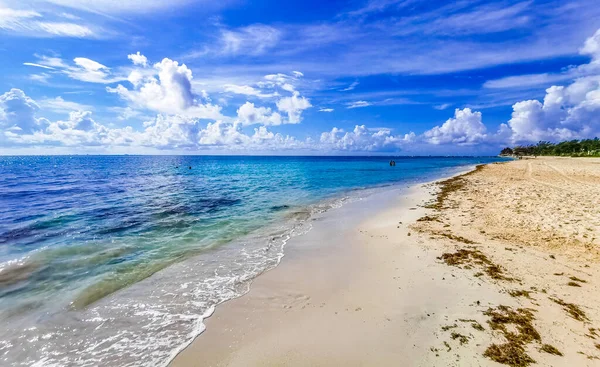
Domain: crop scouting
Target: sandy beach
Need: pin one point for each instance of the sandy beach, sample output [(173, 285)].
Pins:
[(499, 265)]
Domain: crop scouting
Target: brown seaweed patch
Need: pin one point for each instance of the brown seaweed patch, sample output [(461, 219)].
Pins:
[(453, 237), (550, 349), (428, 218), (512, 352), (573, 310), (520, 293), (461, 338), (575, 279), (474, 324), (448, 327), (449, 186), (466, 257)]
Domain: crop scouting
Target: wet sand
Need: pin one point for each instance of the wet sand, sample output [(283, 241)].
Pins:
[(370, 284)]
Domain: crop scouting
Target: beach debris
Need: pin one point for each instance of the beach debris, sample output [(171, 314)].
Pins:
[(520, 293), (550, 349), (467, 257), (447, 346), (508, 353), (474, 324), (575, 279), (573, 310), (453, 237), (448, 327), (461, 338), (512, 352), (574, 284), (593, 334), (428, 218)]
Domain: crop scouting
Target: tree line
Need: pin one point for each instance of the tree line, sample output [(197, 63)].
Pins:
[(570, 148)]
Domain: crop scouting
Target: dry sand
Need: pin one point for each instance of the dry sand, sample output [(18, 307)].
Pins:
[(379, 291)]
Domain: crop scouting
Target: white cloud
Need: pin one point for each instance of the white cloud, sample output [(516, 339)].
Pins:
[(293, 106), (40, 78), (529, 80), (248, 91), (58, 104), (65, 29), (567, 112), (138, 59), (326, 110), (358, 104), (38, 65), (83, 69), (28, 22), (442, 106), (170, 93), (350, 87), (251, 40), (590, 48), (119, 7), (17, 112), (466, 128), (249, 115), (364, 139), (570, 112)]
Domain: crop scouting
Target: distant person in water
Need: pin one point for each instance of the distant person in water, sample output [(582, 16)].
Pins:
[(392, 163)]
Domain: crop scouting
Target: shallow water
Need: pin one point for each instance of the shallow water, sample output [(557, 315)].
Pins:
[(116, 259)]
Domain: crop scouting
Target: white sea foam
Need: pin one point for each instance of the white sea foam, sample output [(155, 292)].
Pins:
[(150, 322)]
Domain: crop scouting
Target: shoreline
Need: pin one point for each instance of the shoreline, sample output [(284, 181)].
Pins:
[(380, 284), (408, 204)]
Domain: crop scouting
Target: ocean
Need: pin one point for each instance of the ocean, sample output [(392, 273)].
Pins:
[(116, 260)]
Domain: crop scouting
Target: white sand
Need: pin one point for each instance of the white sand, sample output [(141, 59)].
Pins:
[(359, 291)]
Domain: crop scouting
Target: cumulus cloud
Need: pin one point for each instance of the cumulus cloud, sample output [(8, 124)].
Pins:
[(364, 139), (20, 126), (250, 115), (138, 59), (566, 113), (293, 106), (17, 112), (168, 90), (464, 128)]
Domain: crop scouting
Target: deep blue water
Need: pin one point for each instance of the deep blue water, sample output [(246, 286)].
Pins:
[(76, 229)]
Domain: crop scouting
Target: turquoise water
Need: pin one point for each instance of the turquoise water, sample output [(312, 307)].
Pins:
[(187, 231)]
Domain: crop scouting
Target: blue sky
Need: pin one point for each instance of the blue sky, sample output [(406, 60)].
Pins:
[(310, 77)]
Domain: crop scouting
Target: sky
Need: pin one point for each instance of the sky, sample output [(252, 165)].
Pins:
[(308, 77)]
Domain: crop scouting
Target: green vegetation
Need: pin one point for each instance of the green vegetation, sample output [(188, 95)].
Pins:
[(571, 148)]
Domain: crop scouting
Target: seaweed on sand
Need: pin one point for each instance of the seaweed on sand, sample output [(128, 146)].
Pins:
[(550, 349), (468, 257), (512, 352), (449, 186), (573, 310)]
